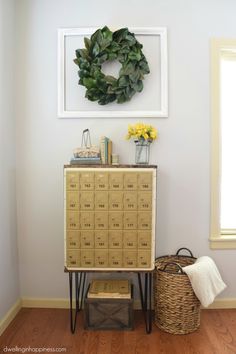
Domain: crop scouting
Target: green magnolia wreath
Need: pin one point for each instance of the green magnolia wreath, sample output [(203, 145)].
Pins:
[(103, 46)]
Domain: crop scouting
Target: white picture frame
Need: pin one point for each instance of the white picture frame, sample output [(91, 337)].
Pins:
[(145, 104)]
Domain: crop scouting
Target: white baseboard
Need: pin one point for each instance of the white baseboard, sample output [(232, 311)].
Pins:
[(227, 303), (10, 315), (56, 303)]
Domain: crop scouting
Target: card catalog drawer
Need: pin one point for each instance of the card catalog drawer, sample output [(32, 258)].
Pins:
[(130, 201), (115, 238), (115, 259), (101, 200), (73, 258), (87, 220), (116, 181), (72, 180), (129, 259), (144, 259), (144, 239), (130, 181), (130, 220), (101, 239), (72, 220), (87, 200), (87, 258), (130, 239), (101, 220), (145, 181), (72, 200), (145, 200), (101, 180), (87, 180), (73, 239), (115, 201), (115, 220), (87, 239), (101, 258), (144, 220)]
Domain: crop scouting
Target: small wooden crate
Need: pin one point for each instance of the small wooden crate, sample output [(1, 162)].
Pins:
[(108, 314)]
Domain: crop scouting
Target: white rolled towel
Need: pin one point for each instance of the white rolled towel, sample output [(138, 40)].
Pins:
[(205, 279)]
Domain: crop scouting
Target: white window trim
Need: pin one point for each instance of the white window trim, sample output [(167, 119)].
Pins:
[(218, 238)]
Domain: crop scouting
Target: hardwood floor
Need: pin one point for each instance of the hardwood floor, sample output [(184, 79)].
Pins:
[(49, 328)]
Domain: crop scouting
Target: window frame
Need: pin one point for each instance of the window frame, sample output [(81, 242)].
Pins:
[(219, 239)]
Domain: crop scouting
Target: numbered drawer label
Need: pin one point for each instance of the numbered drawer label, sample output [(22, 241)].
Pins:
[(87, 258), (130, 239), (87, 180), (72, 200), (115, 200), (73, 239), (130, 181), (144, 259), (101, 258), (73, 258), (116, 181), (101, 200), (129, 259), (145, 200), (87, 239), (86, 220), (144, 220), (130, 220), (144, 239), (101, 180), (101, 239), (115, 239), (72, 220), (115, 259), (145, 181), (72, 180), (130, 201), (115, 220), (86, 200), (101, 220)]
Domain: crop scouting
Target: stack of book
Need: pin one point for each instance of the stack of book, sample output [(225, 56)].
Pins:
[(113, 289), (85, 160), (106, 150)]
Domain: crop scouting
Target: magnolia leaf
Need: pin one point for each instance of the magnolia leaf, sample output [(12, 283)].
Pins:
[(110, 79), (89, 82), (123, 81), (95, 49), (87, 43), (83, 73), (134, 56), (137, 86), (121, 98), (107, 34)]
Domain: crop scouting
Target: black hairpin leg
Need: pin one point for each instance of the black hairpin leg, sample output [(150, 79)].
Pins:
[(146, 299), (80, 279)]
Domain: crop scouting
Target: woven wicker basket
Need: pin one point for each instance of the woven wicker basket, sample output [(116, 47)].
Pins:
[(177, 309)]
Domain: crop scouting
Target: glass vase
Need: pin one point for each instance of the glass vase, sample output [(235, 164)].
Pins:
[(142, 151)]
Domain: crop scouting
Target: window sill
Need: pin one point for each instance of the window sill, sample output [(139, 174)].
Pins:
[(223, 242)]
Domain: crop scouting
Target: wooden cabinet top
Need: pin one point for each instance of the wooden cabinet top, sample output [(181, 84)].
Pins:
[(108, 166)]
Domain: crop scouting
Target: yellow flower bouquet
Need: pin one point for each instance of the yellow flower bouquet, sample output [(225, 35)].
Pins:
[(143, 134), (141, 131)]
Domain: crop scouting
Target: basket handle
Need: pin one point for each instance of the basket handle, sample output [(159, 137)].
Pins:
[(86, 140), (173, 263), (184, 248)]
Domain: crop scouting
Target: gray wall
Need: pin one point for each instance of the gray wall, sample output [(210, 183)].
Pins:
[(9, 282), (45, 143)]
